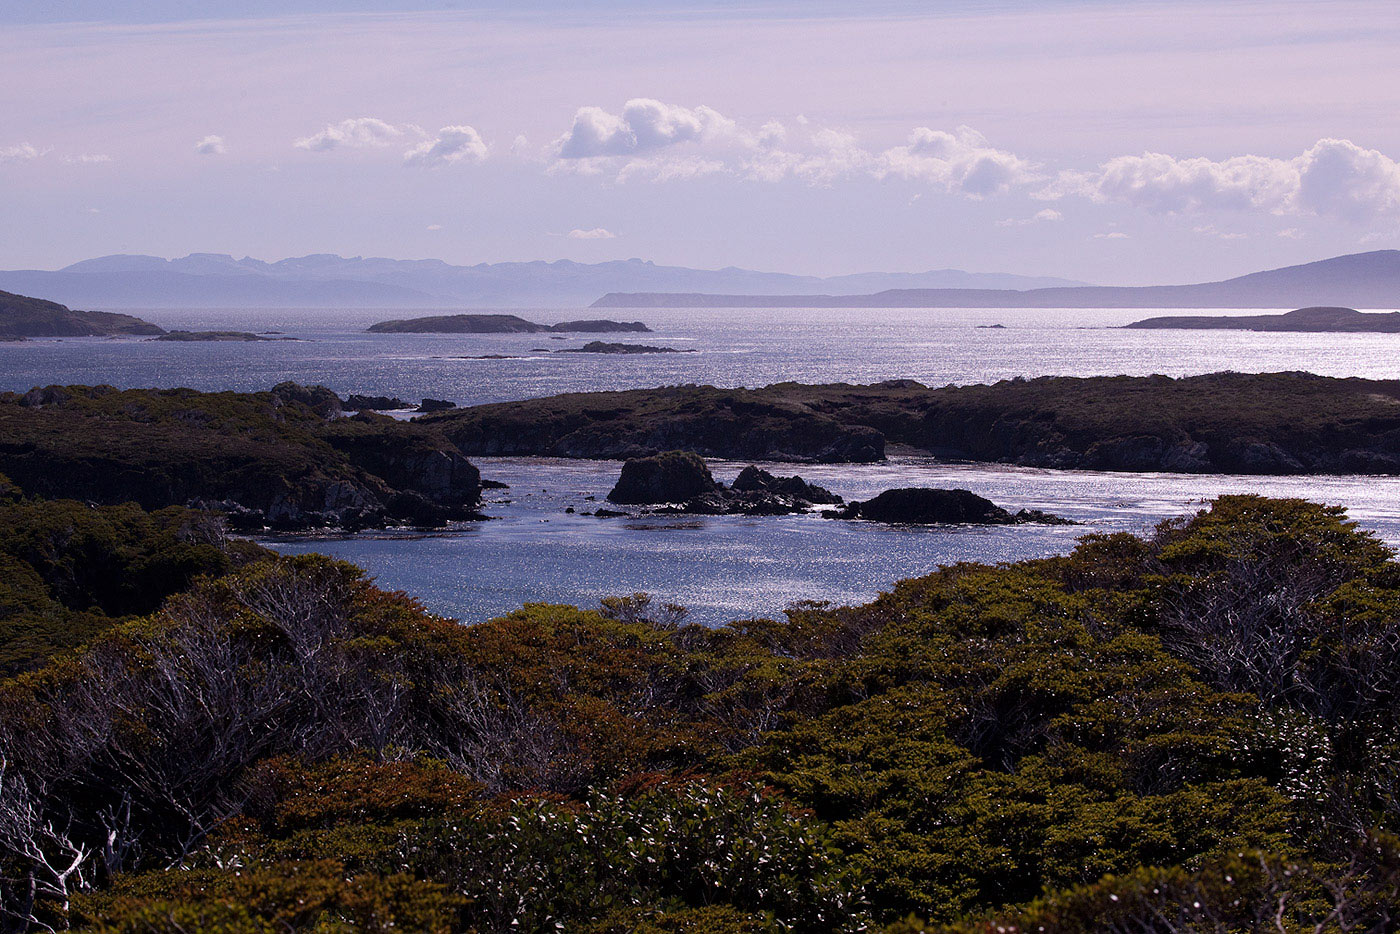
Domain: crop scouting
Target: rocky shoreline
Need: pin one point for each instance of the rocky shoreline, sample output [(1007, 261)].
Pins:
[(1234, 423)]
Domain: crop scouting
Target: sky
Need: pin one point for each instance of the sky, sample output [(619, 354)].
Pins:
[(1125, 143)]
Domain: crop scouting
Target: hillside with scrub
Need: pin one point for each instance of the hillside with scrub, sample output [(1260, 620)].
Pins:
[(1191, 730)]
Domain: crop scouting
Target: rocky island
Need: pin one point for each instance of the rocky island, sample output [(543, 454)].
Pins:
[(607, 347), (499, 324), (1316, 320), (1271, 423), (22, 316)]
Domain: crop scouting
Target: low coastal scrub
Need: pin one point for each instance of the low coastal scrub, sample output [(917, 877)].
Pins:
[(278, 458), (1195, 730)]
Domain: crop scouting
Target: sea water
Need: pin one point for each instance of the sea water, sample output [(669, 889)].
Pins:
[(726, 567)]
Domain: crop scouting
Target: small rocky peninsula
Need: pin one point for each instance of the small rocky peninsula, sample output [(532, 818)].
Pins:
[(22, 316)]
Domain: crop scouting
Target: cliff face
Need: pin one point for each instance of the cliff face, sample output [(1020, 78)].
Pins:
[(1220, 423), (283, 459)]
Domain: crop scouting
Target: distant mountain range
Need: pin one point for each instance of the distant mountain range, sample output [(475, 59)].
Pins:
[(1357, 280), (213, 280)]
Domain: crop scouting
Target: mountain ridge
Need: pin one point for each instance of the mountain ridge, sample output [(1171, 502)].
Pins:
[(1357, 280), (217, 279)]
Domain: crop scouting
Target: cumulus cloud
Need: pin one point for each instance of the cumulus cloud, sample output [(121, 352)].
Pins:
[(1111, 235), (961, 161), (452, 144), (87, 158), (210, 146), (644, 124), (1045, 216), (434, 227), (21, 153), (1333, 178), (595, 233), (355, 133)]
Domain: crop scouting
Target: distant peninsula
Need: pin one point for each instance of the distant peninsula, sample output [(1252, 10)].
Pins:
[(500, 324), (189, 336), (1316, 320), (22, 316), (1360, 280)]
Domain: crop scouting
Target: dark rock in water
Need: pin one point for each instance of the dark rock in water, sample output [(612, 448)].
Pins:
[(358, 403), (317, 398), (752, 479), (991, 327), (494, 485), (672, 477), (435, 405), (606, 514), (682, 482), (606, 347), (923, 506)]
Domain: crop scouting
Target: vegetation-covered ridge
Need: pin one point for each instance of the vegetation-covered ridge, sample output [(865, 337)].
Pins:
[(1220, 423), (22, 316), (1190, 731), (282, 458)]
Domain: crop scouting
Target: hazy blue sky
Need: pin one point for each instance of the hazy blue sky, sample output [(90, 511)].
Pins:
[(1117, 142)]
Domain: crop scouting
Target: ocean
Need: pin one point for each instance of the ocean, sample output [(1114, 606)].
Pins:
[(725, 568)]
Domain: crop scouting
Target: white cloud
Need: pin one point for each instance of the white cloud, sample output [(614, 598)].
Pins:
[(1291, 233), (644, 124), (1045, 216), (1111, 235), (452, 144), (1338, 177), (961, 161), (434, 227), (1333, 178), (596, 233), (1210, 230), (210, 146), (354, 133), (87, 158), (21, 153), (670, 169)]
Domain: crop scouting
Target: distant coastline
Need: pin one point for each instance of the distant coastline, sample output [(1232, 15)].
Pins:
[(1358, 280), (1317, 320)]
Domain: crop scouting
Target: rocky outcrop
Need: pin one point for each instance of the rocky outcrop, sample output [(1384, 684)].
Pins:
[(358, 403), (753, 480), (672, 477), (435, 405), (679, 482), (928, 506), (1318, 319)]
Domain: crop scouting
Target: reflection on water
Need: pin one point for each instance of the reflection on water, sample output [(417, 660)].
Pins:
[(733, 567), (736, 347)]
